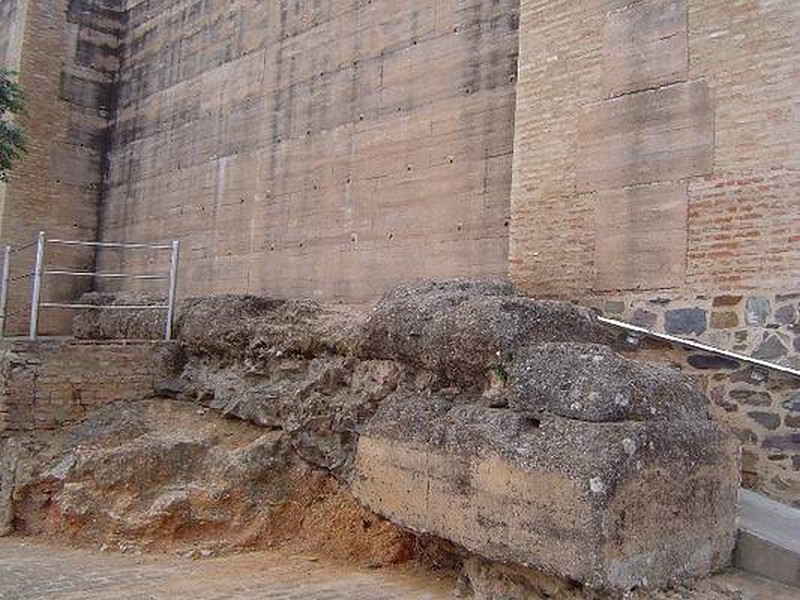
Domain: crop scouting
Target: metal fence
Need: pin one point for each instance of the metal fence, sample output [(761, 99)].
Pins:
[(39, 272)]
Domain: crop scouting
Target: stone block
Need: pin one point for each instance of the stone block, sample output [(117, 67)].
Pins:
[(757, 311), (641, 237), (684, 321), (621, 503), (724, 320), (665, 134), (644, 46)]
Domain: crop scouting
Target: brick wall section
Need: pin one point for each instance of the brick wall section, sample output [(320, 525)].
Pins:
[(68, 63), (619, 101), (327, 149), (45, 385)]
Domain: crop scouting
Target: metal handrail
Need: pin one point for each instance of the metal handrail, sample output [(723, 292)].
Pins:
[(105, 306), (108, 275), (110, 244), (39, 272), (756, 362)]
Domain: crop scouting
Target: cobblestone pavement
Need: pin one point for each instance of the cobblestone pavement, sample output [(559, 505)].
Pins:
[(32, 571)]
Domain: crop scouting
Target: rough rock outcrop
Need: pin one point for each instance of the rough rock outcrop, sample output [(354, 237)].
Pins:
[(506, 425), (160, 475)]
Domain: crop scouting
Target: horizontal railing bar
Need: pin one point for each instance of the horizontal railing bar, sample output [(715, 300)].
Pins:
[(110, 244), (106, 275), (700, 346), (105, 306)]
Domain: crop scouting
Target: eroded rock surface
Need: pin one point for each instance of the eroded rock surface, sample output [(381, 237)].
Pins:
[(162, 475), (505, 425)]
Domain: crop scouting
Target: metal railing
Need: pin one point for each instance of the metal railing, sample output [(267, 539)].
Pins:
[(751, 360), (39, 272)]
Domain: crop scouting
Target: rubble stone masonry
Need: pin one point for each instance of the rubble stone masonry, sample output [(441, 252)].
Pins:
[(47, 385)]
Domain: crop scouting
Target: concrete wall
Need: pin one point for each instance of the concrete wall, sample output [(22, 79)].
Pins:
[(67, 62), (47, 385), (327, 149)]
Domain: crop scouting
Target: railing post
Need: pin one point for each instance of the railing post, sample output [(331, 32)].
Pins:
[(4, 290), (173, 287), (36, 288)]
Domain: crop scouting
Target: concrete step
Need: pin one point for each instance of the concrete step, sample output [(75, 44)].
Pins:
[(769, 538)]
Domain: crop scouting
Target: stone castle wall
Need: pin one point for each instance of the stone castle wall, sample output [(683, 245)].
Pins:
[(659, 143), (336, 149)]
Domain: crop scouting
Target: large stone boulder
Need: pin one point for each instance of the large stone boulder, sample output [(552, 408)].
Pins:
[(461, 330), (615, 492)]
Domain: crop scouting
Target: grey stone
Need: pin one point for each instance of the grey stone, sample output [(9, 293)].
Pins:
[(686, 321), (751, 397), (789, 442), (460, 332), (792, 403), (614, 307), (786, 315), (644, 318), (757, 311), (592, 383), (768, 420), (711, 362), (771, 348)]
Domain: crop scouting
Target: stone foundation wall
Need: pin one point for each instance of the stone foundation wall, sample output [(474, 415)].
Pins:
[(765, 415), (45, 385)]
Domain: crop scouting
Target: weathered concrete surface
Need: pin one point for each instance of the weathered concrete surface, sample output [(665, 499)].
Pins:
[(769, 538), (325, 149)]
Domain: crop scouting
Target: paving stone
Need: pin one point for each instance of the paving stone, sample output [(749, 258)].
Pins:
[(31, 571)]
